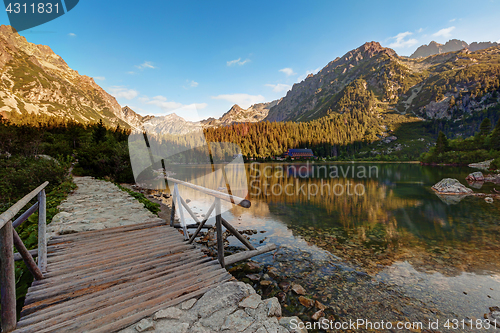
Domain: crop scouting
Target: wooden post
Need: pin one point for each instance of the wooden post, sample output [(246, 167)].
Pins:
[(172, 211), (207, 216), (42, 234), (28, 259), (181, 212), (218, 227), (7, 279)]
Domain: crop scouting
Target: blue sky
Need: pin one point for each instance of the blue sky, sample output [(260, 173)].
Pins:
[(164, 56)]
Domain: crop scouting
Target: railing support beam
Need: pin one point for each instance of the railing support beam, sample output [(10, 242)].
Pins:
[(200, 226), (7, 279), (27, 257), (42, 232)]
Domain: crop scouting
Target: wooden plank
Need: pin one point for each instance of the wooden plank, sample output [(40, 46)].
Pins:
[(24, 216), (116, 257), (248, 254), (140, 265), (111, 246), (7, 279), (110, 293), (105, 232), (98, 241), (42, 231), (28, 259), (78, 303), (95, 319), (14, 209)]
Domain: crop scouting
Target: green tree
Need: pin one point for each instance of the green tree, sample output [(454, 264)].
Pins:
[(495, 137), (485, 127), (442, 144), (99, 133)]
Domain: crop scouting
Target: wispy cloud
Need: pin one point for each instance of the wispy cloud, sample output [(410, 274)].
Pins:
[(238, 62), (288, 71), (302, 77), (420, 30), (100, 78), (243, 100), (146, 64), (123, 92), (187, 111), (400, 41), (280, 87), (193, 84), (72, 34), (446, 32), (131, 72), (452, 20)]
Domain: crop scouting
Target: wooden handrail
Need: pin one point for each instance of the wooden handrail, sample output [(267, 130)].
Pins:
[(9, 238), (12, 211), (226, 197)]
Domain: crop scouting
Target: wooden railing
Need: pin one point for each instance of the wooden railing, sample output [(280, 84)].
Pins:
[(10, 239), (178, 201)]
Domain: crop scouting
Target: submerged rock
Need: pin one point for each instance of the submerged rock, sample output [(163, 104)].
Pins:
[(451, 186)]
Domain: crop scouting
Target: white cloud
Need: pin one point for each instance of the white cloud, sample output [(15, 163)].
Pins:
[(131, 72), (420, 30), (100, 78), (193, 84), (399, 40), (72, 34), (186, 111), (280, 87), (302, 77), (237, 62), (146, 64), (446, 32), (123, 92), (288, 71), (452, 20), (243, 100)]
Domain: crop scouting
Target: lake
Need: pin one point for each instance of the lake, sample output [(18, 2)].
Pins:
[(377, 243)]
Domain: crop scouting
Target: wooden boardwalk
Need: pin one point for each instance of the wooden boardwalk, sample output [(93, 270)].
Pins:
[(107, 280)]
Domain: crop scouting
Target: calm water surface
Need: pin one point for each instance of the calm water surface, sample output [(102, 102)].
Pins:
[(390, 225)]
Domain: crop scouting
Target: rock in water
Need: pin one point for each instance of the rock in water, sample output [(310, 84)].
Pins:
[(475, 177), (488, 200), (451, 186)]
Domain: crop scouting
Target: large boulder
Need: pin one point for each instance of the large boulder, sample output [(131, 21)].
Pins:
[(451, 186), (485, 165)]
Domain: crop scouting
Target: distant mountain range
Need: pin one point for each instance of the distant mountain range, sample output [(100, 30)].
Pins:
[(437, 81), (450, 46)]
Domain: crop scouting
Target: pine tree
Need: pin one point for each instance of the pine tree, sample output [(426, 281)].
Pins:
[(495, 137), (441, 143), (99, 133), (485, 127)]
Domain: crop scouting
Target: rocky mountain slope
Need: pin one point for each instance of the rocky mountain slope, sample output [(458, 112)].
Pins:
[(36, 81), (440, 86), (170, 124), (450, 46), (236, 114)]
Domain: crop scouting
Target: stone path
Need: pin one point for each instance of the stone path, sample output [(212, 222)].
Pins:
[(96, 205)]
